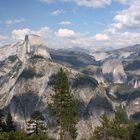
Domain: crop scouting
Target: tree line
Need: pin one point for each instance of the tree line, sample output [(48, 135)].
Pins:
[(63, 110), (117, 128)]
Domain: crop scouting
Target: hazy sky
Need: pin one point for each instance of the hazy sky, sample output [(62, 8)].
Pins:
[(69, 23)]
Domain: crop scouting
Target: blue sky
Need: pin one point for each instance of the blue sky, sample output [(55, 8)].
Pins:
[(69, 23)]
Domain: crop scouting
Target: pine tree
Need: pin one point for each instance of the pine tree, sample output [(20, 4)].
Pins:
[(37, 123), (102, 132), (118, 125), (9, 123), (64, 106), (2, 123), (136, 132), (129, 130), (117, 128)]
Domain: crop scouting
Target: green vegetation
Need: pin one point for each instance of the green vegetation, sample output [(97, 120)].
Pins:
[(8, 129), (12, 58), (64, 107), (2, 124), (136, 132), (125, 92), (117, 128), (6, 125), (9, 123), (123, 88), (37, 123), (136, 116), (20, 135)]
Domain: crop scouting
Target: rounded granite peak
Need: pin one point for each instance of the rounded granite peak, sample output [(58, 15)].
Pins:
[(24, 49), (33, 45), (34, 40)]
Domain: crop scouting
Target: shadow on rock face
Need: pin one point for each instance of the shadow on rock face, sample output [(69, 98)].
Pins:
[(108, 77), (136, 116), (24, 104), (82, 106), (97, 106), (29, 74), (52, 79), (83, 82)]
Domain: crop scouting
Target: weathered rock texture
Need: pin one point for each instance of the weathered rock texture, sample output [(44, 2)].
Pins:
[(26, 76), (114, 72)]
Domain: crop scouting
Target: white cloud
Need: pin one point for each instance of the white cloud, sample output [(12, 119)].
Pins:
[(117, 25), (65, 33), (93, 3), (19, 34), (130, 17), (64, 38), (14, 21), (87, 3), (101, 37), (43, 31), (83, 41), (119, 39), (65, 23), (117, 34), (57, 12), (111, 30), (125, 39), (124, 1)]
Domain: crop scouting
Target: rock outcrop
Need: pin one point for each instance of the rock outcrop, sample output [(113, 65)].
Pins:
[(32, 45), (114, 72), (26, 75), (25, 81)]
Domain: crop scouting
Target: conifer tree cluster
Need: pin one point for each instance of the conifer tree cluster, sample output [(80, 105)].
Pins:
[(9, 123), (37, 123), (64, 107), (117, 128), (6, 122)]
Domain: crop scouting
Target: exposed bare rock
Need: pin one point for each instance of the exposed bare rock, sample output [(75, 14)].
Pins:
[(32, 45), (113, 71), (133, 107), (26, 75)]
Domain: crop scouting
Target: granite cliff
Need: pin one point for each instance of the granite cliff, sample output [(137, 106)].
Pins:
[(26, 74)]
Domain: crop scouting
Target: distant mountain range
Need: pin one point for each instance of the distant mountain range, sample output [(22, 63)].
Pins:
[(101, 81)]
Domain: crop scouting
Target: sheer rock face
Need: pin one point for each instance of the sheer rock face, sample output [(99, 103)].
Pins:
[(30, 89), (26, 85), (113, 71), (32, 45), (13, 63), (133, 107), (35, 46)]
